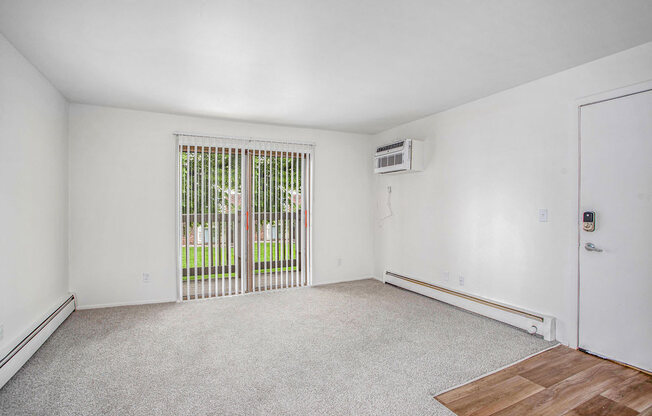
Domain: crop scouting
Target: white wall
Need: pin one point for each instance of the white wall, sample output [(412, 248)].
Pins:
[(33, 196), (491, 164), (122, 201)]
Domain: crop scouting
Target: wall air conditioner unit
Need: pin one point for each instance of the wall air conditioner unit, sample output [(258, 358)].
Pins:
[(401, 156)]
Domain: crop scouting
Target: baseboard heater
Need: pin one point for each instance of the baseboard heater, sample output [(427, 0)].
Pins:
[(532, 322), (14, 360)]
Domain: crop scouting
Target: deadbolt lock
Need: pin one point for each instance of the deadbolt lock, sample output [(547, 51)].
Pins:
[(588, 221)]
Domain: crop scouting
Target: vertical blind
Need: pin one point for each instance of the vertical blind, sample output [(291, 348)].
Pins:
[(244, 216)]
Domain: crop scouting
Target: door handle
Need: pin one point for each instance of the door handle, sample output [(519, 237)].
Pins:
[(592, 247)]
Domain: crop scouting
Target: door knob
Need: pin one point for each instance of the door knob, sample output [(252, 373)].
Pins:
[(592, 247)]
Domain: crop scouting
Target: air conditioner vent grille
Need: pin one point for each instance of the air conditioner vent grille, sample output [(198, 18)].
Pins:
[(389, 160), (390, 146)]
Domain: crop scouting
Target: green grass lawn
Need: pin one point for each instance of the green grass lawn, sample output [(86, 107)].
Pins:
[(268, 253)]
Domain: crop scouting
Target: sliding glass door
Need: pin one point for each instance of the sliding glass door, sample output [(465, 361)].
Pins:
[(244, 221), (278, 249)]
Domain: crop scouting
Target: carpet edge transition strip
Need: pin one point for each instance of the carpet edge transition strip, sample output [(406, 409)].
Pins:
[(494, 371)]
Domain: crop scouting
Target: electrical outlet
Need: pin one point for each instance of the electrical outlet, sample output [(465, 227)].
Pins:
[(461, 280), (389, 189), (445, 276), (339, 261), (146, 278)]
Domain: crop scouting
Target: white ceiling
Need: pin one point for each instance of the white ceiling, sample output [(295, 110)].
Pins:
[(353, 65)]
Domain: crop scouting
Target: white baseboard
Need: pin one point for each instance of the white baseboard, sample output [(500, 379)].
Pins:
[(354, 279), (532, 322), (28, 345), (167, 300), (134, 303)]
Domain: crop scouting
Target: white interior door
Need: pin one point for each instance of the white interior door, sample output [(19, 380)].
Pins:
[(616, 183)]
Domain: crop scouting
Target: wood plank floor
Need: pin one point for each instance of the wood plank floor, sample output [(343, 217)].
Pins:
[(560, 381)]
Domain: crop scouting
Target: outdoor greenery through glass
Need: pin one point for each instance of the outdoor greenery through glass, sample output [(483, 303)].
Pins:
[(217, 177)]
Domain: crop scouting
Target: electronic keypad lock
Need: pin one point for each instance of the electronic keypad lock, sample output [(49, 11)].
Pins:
[(588, 221)]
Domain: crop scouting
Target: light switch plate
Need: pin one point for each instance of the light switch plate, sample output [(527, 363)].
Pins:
[(543, 215)]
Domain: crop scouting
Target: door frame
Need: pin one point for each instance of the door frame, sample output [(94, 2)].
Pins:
[(577, 117)]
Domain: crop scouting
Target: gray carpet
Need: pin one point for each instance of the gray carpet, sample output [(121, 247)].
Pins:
[(350, 348)]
